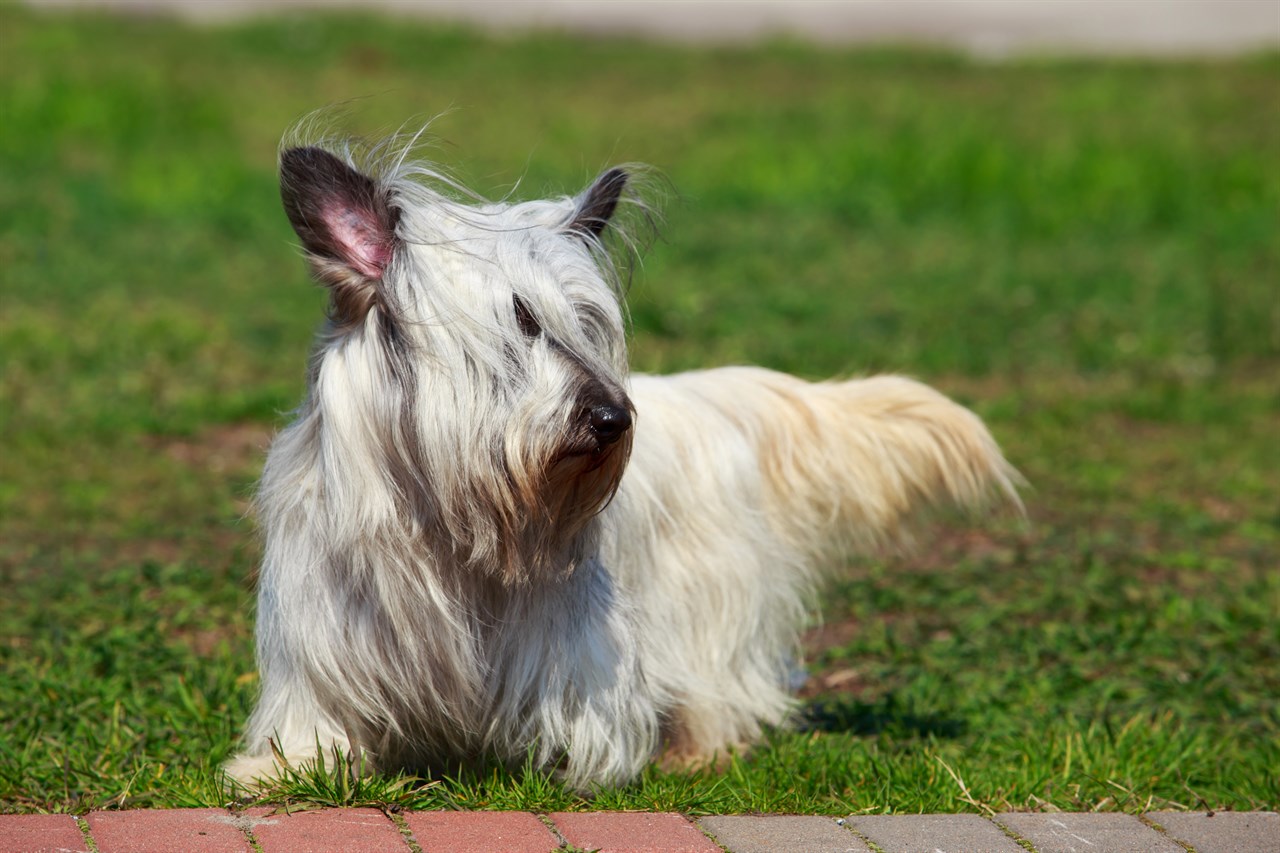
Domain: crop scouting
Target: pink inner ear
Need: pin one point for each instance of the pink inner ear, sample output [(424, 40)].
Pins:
[(356, 234)]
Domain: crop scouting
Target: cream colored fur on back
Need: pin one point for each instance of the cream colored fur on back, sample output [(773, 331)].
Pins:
[(723, 531)]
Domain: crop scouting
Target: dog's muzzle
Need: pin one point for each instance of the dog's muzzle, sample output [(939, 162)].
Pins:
[(609, 423)]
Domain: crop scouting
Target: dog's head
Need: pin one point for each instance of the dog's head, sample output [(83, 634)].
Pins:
[(471, 376)]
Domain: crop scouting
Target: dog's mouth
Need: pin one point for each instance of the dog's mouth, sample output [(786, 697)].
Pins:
[(562, 494), (589, 454)]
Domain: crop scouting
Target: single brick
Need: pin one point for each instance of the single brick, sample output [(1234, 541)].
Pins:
[(480, 832), (782, 834), (326, 831), (615, 832), (1093, 832), (38, 833), (934, 833), (1223, 832), (167, 831)]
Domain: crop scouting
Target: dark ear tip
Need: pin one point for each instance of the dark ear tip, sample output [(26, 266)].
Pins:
[(296, 156), (614, 179), (597, 205), (307, 158)]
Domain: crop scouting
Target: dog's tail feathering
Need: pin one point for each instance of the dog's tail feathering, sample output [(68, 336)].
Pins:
[(900, 447), (847, 466), (892, 449)]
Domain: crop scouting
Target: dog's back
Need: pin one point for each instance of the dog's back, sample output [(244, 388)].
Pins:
[(747, 486)]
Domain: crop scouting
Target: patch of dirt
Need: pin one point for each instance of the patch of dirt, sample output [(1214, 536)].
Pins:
[(830, 635), (943, 546), (206, 642), (220, 449), (144, 522), (938, 548), (824, 681), (843, 681)]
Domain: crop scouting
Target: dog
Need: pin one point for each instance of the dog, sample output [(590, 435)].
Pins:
[(486, 542)]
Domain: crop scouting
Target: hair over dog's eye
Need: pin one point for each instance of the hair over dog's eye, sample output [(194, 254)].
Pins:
[(528, 324)]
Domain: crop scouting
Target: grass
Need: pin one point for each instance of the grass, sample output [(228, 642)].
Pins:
[(1083, 250)]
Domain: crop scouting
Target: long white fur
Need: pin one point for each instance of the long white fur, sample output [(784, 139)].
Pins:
[(394, 619)]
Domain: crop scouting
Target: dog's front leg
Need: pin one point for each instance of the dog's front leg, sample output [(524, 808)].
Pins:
[(288, 727), (569, 686)]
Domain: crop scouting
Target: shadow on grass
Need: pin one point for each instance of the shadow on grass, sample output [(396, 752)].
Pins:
[(884, 716)]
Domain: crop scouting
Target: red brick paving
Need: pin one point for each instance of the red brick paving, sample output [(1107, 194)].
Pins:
[(616, 832), (480, 832), (370, 831), (37, 833), (326, 831), (167, 831)]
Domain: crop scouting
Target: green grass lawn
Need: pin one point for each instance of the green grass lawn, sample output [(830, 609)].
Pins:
[(1084, 251)]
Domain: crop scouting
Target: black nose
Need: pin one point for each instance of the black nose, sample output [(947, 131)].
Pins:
[(609, 423)]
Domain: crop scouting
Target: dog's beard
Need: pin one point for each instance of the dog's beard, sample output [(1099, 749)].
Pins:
[(551, 505), (516, 516)]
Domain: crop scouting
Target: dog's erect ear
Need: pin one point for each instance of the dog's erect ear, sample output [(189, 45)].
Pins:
[(345, 220), (597, 204)]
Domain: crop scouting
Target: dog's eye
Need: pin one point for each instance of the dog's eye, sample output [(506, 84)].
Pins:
[(525, 318)]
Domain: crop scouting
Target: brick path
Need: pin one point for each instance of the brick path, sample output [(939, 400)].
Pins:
[(370, 831)]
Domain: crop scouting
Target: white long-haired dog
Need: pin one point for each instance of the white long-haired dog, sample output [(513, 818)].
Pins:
[(486, 542)]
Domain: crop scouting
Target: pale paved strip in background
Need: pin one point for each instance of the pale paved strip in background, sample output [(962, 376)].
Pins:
[(988, 28)]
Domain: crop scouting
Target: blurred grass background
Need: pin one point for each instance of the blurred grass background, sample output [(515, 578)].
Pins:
[(1084, 250)]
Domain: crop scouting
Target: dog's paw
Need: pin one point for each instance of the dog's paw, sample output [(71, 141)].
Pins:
[(250, 773), (681, 751)]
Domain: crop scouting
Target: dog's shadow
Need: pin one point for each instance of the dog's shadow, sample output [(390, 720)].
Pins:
[(886, 715)]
